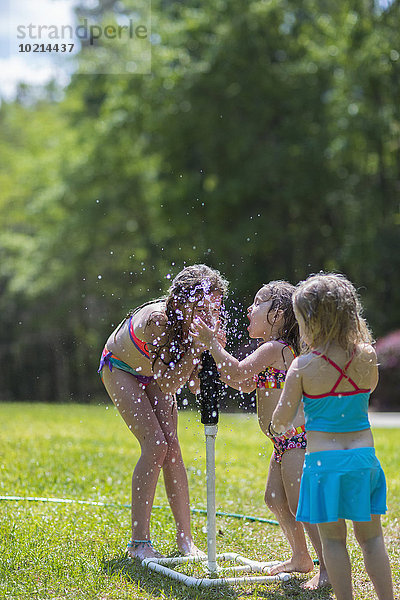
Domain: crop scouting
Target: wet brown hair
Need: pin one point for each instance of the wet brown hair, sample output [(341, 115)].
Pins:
[(332, 311), (188, 288), (280, 293)]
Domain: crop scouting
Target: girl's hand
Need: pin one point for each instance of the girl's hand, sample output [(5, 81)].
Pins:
[(203, 333)]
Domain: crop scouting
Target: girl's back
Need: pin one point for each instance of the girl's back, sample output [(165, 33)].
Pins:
[(336, 394), (127, 340)]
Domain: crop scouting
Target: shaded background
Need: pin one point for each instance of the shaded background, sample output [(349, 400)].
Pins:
[(265, 143)]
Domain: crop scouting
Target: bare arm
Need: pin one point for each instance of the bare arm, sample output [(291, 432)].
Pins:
[(246, 386), (287, 407), (232, 370)]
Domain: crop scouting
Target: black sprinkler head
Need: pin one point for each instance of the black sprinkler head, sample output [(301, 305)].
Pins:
[(210, 390)]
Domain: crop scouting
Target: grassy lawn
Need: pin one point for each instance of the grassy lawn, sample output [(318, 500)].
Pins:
[(76, 551)]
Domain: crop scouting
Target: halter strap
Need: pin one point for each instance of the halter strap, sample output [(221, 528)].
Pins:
[(139, 344), (341, 371)]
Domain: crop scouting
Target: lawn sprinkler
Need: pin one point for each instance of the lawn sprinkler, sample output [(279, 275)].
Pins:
[(216, 575)]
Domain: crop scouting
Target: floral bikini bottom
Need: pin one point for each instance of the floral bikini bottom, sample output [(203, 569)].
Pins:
[(283, 443)]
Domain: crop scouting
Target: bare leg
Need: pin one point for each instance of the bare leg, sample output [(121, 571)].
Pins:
[(291, 469), (174, 472), (135, 408), (370, 537), (277, 501), (333, 536)]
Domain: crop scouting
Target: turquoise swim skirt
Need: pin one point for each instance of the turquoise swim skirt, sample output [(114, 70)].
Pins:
[(341, 484)]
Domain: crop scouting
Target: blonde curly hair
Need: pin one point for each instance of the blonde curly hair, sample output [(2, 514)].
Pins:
[(332, 311)]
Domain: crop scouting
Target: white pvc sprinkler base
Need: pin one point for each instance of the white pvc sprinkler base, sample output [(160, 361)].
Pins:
[(164, 566), (216, 578)]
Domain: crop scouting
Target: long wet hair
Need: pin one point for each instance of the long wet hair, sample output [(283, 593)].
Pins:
[(187, 289), (332, 312), (280, 293)]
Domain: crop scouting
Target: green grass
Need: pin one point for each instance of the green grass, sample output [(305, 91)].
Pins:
[(75, 551)]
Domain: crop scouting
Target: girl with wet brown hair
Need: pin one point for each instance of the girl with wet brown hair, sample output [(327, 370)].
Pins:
[(149, 357)]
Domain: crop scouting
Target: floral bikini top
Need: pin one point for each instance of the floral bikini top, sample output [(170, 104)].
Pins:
[(273, 378)]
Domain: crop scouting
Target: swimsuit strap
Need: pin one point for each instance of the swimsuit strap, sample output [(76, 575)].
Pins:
[(286, 345), (341, 371), (139, 344)]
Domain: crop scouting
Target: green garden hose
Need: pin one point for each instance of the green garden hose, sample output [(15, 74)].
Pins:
[(201, 511)]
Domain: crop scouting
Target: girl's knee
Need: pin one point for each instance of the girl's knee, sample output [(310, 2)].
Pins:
[(173, 450), (272, 501), (292, 504), (373, 545), (155, 448), (369, 531)]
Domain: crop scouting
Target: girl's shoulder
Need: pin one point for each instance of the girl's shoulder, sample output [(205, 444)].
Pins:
[(272, 351), (149, 320), (365, 358), (306, 361), (155, 319), (309, 365), (366, 352), (270, 347)]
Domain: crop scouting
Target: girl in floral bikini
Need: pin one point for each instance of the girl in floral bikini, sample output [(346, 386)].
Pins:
[(272, 320)]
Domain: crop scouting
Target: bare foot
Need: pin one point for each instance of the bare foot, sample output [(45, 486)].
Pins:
[(187, 548), (142, 550), (319, 580), (293, 566)]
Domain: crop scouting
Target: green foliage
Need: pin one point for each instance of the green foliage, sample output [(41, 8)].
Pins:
[(264, 142)]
